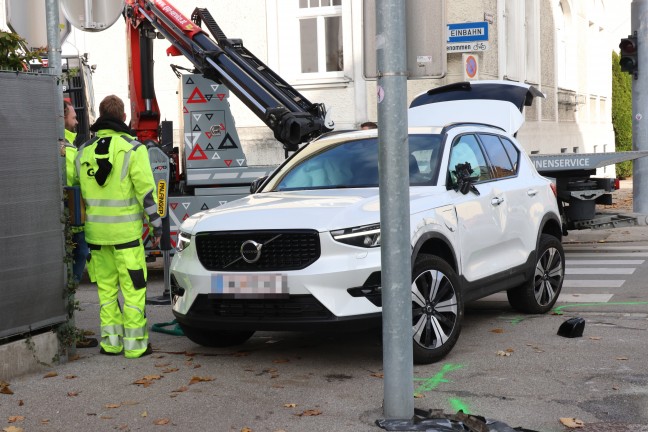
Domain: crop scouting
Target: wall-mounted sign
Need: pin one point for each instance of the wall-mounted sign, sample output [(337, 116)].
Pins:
[(468, 32), (466, 47)]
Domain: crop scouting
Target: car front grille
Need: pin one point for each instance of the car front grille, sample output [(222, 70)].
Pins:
[(293, 308), (279, 250)]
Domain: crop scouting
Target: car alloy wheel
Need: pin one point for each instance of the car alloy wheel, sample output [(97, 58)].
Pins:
[(437, 309)]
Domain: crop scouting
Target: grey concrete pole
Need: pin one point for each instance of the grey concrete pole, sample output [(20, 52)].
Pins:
[(639, 27), (54, 65), (394, 210)]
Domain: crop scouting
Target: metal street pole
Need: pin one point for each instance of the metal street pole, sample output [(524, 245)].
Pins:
[(639, 23), (394, 209)]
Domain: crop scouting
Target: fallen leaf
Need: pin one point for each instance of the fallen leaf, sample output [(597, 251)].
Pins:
[(123, 427), (290, 405), (162, 365), (378, 375), (180, 390), (106, 417), (246, 429), (622, 358), (162, 421), (280, 361), (12, 429), (14, 419), (497, 330), (50, 375), (197, 379), (196, 366), (595, 338), (503, 354), (112, 406), (418, 395), (73, 394), (144, 414), (571, 422), (129, 403), (45, 421), (170, 370), (74, 357), (147, 380), (152, 377), (4, 388), (21, 403), (510, 350), (310, 413), (70, 376)]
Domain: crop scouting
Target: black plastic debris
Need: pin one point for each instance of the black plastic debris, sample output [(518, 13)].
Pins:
[(572, 328), (438, 421)]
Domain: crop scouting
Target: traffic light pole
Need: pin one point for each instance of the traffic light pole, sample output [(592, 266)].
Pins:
[(639, 21)]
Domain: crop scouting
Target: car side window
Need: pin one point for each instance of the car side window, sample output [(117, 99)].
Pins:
[(498, 156), (466, 149), (512, 151)]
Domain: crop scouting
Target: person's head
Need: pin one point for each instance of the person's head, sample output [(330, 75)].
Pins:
[(368, 125), (112, 107), (70, 117)]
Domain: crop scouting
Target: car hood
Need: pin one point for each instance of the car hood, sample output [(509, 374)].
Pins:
[(322, 210)]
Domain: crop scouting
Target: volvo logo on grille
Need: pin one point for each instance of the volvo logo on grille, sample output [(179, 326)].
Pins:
[(251, 251)]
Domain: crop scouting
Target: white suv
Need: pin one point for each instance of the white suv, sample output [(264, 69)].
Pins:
[(303, 251)]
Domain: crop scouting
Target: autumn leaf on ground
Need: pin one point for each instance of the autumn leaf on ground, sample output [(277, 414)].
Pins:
[(378, 375), (70, 376), (44, 421), (197, 379), (12, 429), (571, 422), (106, 417), (196, 366), (180, 390), (418, 395), (147, 380), (503, 353), (246, 429), (497, 330), (50, 375), (73, 393), (170, 370), (622, 358), (594, 338), (129, 403), (290, 405), (162, 421), (280, 361), (112, 406), (160, 365), (144, 414), (21, 403), (14, 419), (4, 388), (310, 413)]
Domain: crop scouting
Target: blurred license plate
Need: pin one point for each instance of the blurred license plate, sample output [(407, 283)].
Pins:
[(250, 286)]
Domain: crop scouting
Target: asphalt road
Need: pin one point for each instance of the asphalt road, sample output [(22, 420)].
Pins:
[(507, 367)]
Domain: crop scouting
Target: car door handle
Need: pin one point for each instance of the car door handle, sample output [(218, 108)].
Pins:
[(497, 201), (532, 192)]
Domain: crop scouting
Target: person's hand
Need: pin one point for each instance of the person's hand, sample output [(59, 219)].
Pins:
[(155, 242), (62, 147)]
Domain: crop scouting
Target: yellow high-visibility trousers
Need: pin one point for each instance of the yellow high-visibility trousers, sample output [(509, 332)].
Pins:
[(115, 267)]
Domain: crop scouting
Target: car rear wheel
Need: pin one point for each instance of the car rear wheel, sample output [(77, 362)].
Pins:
[(215, 338), (539, 294), (437, 309)]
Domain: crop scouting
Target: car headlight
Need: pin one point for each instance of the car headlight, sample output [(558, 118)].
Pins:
[(367, 236), (183, 242)]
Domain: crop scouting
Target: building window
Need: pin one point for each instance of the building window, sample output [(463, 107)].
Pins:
[(564, 29), (321, 36), (522, 29)]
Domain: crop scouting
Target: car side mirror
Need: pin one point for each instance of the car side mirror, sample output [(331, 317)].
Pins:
[(465, 181), (256, 184)]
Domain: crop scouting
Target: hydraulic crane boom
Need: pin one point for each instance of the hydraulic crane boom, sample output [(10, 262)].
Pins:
[(292, 118)]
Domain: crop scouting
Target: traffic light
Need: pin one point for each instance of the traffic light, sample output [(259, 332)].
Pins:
[(628, 60)]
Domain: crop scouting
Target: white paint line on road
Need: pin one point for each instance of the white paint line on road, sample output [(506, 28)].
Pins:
[(588, 283), (599, 248), (606, 255), (599, 271), (601, 262)]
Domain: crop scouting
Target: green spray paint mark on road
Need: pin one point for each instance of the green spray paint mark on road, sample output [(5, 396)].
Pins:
[(517, 320), (458, 405), (558, 310), (433, 382)]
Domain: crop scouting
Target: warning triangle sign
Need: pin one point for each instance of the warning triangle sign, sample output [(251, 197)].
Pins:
[(240, 161), (191, 139), (185, 205), (208, 135), (208, 97), (222, 202), (196, 128), (209, 147), (228, 162), (222, 127), (200, 156), (221, 96), (185, 110), (227, 143), (197, 116), (186, 216), (216, 156), (209, 116), (214, 86), (190, 81), (204, 207), (196, 97), (173, 205)]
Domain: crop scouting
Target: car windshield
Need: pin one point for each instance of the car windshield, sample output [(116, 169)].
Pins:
[(354, 164)]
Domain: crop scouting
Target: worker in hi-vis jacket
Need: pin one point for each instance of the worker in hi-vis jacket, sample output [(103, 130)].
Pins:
[(118, 188)]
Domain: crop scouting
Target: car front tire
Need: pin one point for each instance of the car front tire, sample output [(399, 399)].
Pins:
[(539, 294), (215, 338), (437, 309)]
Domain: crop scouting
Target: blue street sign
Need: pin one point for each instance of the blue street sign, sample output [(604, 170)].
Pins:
[(468, 32)]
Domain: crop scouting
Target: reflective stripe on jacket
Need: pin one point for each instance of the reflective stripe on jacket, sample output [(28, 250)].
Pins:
[(114, 210)]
